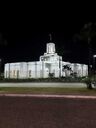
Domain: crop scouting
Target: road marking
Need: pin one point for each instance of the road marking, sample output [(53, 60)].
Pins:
[(49, 96)]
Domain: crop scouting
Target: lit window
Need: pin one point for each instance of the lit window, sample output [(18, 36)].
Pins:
[(29, 73), (13, 72), (6, 74), (17, 73)]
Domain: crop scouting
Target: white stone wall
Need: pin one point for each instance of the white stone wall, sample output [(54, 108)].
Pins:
[(80, 69), (23, 70), (50, 62), (29, 71), (38, 69), (6, 71), (56, 69), (85, 70), (41, 69), (34, 69)]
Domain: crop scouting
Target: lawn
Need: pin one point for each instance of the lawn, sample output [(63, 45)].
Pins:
[(49, 90)]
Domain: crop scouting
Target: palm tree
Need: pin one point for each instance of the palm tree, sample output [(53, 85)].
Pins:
[(87, 33), (67, 68)]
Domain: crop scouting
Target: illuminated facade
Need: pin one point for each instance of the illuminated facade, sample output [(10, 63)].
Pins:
[(49, 65)]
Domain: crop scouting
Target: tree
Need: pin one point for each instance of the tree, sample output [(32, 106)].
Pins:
[(87, 33), (67, 68)]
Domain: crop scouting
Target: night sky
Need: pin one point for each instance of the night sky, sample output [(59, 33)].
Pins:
[(23, 36)]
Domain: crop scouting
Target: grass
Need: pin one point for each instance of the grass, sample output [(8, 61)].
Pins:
[(49, 90)]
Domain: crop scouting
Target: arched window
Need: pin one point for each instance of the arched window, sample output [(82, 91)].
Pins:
[(29, 73), (6, 75), (13, 73), (17, 73)]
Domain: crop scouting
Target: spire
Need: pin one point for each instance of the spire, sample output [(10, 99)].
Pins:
[(50, 36)]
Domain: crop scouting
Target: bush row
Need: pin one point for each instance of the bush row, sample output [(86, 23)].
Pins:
[(62, 79)]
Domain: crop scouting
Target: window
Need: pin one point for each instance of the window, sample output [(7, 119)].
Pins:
[(17, 73), (10, 73), (29, 73), (13, 73), (6, 74)]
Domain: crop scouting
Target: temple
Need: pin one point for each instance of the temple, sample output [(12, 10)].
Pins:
[(49, 65)]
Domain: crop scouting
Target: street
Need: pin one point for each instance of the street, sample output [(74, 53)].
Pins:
[(47, 112)]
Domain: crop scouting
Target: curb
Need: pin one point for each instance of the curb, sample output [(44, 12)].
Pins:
[(48, 96)]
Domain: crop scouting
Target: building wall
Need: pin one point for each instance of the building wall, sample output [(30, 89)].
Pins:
[(80, 69), (39, 69), (50, 63), (23, 70), (36, 69), (6, 71)]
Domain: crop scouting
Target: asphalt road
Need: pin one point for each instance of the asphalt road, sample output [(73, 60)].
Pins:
[(77, 85), (32, 112)]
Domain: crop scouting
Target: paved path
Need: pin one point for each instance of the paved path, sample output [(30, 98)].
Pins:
[(77, 85)]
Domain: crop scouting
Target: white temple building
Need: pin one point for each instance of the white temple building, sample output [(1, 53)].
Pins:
[(49, 64)]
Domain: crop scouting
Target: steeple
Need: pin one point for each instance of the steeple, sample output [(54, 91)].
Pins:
[(50, 37), (50, 47)]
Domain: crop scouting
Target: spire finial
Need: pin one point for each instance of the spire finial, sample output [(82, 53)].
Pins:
[(50, 35)]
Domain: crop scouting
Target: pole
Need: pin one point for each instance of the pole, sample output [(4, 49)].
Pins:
[(0, 67), (94, 56), (50, 37)]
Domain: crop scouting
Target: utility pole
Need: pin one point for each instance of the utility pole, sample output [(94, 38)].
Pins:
[(89, 56), (0, 66), (94, 68)]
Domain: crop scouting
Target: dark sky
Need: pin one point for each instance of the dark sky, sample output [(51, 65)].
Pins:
[(23, 35)]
